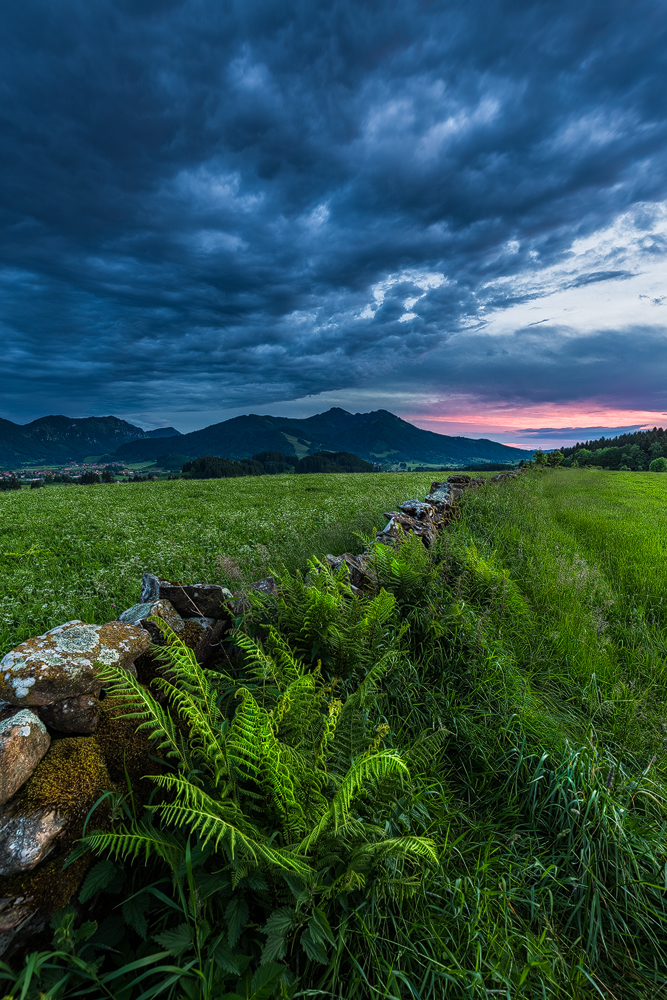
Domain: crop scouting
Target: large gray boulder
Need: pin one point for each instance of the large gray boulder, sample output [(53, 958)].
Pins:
[(63, 662), (23, 742)]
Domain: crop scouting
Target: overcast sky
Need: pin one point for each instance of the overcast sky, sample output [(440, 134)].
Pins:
[(454, 211)]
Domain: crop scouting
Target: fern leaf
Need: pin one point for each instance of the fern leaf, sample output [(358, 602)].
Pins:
[(364, 771), (141, 839), (212, 822), (158, 723), (400, 849)]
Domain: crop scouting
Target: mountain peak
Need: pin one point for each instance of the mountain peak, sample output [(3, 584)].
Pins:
[(378, 436)]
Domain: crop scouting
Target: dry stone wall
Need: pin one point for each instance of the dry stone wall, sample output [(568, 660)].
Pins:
[(62, 744)]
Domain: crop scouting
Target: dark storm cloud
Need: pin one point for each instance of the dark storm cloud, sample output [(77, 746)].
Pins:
[(219, 205), (626, 368)]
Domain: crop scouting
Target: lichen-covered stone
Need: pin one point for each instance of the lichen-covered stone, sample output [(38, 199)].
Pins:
[(23, 742), (266, 586), (72, 715), (63, 663), (27, 837), (358, 574), (415, 508), (400, 525), (203, 600), (138, 615)]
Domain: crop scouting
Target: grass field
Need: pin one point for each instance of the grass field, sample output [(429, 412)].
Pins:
[(516, 671), (80, 551), (587, 550)]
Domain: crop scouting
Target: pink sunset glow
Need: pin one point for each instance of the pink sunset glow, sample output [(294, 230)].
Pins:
[(546, 426)]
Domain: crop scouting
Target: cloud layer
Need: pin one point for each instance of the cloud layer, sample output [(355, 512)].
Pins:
[(211, 207)]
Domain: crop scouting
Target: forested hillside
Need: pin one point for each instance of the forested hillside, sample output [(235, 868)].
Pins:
[(627, 451)]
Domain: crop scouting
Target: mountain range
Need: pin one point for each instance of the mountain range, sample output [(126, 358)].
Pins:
[(57, 439), (379, 436)]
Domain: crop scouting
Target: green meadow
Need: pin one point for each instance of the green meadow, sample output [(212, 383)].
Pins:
[(71, 552), (452, 788)]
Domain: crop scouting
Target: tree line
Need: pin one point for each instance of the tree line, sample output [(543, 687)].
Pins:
[(271, 463), (640, 451)]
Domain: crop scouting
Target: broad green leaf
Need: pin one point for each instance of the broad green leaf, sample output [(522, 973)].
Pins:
[(134, 913), (265, 980), (274, 949), (236, 916), (226, 959), (103, 875), (175, 941), (319, 927), (313, 948), (280, 921)]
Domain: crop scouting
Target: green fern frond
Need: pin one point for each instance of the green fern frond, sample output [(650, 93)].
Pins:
[(258, 663), (140, 840), (399, 890), (154, 720), (353, 735), (253, 749), (400, 849), (287, 668), (210, 820), (364, 771), (425, 750), (379, 611), (350, 881)]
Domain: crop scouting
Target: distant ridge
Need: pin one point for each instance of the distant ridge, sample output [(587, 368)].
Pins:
[(162, 432), (379, 436), (58, 439)]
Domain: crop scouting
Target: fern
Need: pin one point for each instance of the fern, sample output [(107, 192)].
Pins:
[(282, 775), (363, 771)]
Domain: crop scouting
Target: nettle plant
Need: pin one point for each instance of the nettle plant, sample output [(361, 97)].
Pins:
[(276, 812)]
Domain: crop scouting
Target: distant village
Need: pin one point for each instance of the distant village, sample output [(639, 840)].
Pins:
[(76, 472)]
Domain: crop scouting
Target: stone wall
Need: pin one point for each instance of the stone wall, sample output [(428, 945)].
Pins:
[(62, 744)]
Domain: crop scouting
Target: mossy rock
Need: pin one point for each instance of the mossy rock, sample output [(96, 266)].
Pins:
[(71, 777), (126, 752)]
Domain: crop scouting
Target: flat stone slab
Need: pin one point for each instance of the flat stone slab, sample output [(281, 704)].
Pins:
[(23, 742), (62, 663)]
